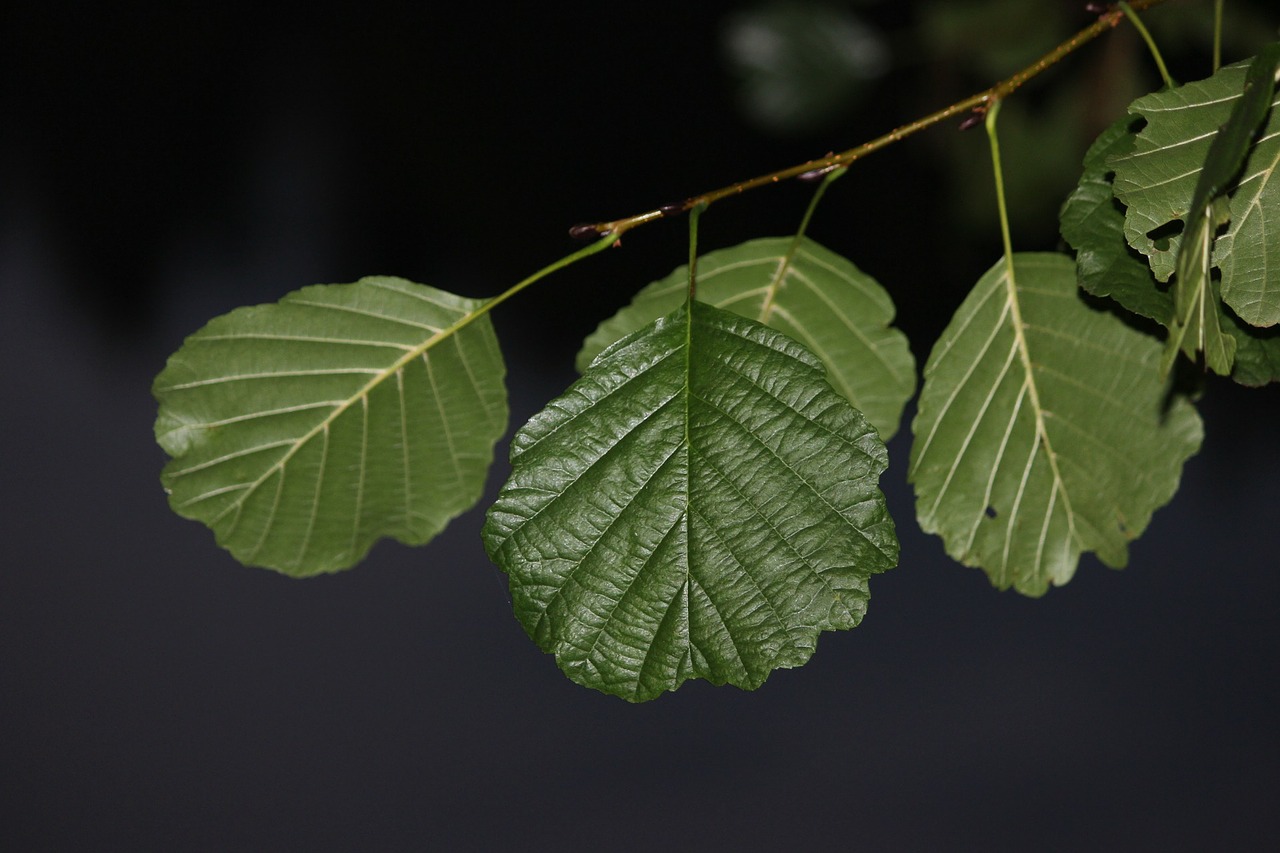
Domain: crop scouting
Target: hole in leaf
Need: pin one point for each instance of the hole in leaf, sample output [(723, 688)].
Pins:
[(1161, 237)]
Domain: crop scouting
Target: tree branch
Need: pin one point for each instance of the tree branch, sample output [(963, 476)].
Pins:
[(977, 104)]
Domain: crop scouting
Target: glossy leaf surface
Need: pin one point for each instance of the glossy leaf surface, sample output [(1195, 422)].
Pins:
[(301, 432), (700, 504), (806, 292), (1043, 430)]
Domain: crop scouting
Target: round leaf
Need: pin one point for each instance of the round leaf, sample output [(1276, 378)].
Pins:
[(700, 504), (301, 432), (807, 292), (1043, 429)]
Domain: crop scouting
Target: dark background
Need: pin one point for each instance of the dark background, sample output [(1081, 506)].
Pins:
[(161, 165)]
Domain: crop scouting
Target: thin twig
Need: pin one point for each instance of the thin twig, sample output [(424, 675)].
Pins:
[(976, 104)]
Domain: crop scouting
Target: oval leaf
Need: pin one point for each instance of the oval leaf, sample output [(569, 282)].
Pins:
[(1043, 430), (807, 292), (700, 504), (302, 432)]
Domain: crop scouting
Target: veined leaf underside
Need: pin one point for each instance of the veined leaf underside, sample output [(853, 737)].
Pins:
[(807, 292), (1042, 432), (303, 431)]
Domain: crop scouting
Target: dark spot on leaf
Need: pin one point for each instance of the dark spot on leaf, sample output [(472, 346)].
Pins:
[(1161, 236), (991, 512)]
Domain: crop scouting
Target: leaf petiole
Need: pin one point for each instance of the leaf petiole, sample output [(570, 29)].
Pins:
[(585, 252), (993, 111), (1151, 44), (1217, 34)]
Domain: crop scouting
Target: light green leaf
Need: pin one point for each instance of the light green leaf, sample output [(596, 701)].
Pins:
[(807, 292), (302, 432), (1251, 270), (1093, 224), (1157, 181), (700, 504), (1043, 430), (1196, 325)]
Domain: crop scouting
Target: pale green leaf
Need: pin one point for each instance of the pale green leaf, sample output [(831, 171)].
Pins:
[(700, 504), (302, 432), (1043, 430), (807, 292), (1197, 323), (1251, 269), (1158, 179), (1093, 224)]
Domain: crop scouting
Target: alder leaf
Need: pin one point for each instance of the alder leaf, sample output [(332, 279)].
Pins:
[(1043, 430), (1196, 325), (1092, 222), (806, 292), (700, 504), (1250, 269), (1157, 182), (302, 432), (1257, 353)]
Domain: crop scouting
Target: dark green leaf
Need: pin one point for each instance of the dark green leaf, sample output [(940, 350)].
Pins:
[(807, 292), (1257, 352), (1043, 430), (700, 504), (301, 432), (1092, 223)]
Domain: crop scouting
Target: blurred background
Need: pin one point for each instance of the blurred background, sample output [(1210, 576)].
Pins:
[(162, 164)]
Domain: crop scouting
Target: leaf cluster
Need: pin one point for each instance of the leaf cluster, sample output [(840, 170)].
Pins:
[(704, 501)]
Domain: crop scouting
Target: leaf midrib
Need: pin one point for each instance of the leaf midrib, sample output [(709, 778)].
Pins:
[(396, 367), (1042, 432)]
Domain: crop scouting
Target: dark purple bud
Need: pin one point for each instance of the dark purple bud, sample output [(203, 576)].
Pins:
[(584, 232)]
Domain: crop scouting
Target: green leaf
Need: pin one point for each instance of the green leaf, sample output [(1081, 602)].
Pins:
[(1157, 182), (1043, 430), (1092, 223), (1257, 352), (1250, 281), (1196, 325), (302, 432), (700, 504), (807, 292)]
